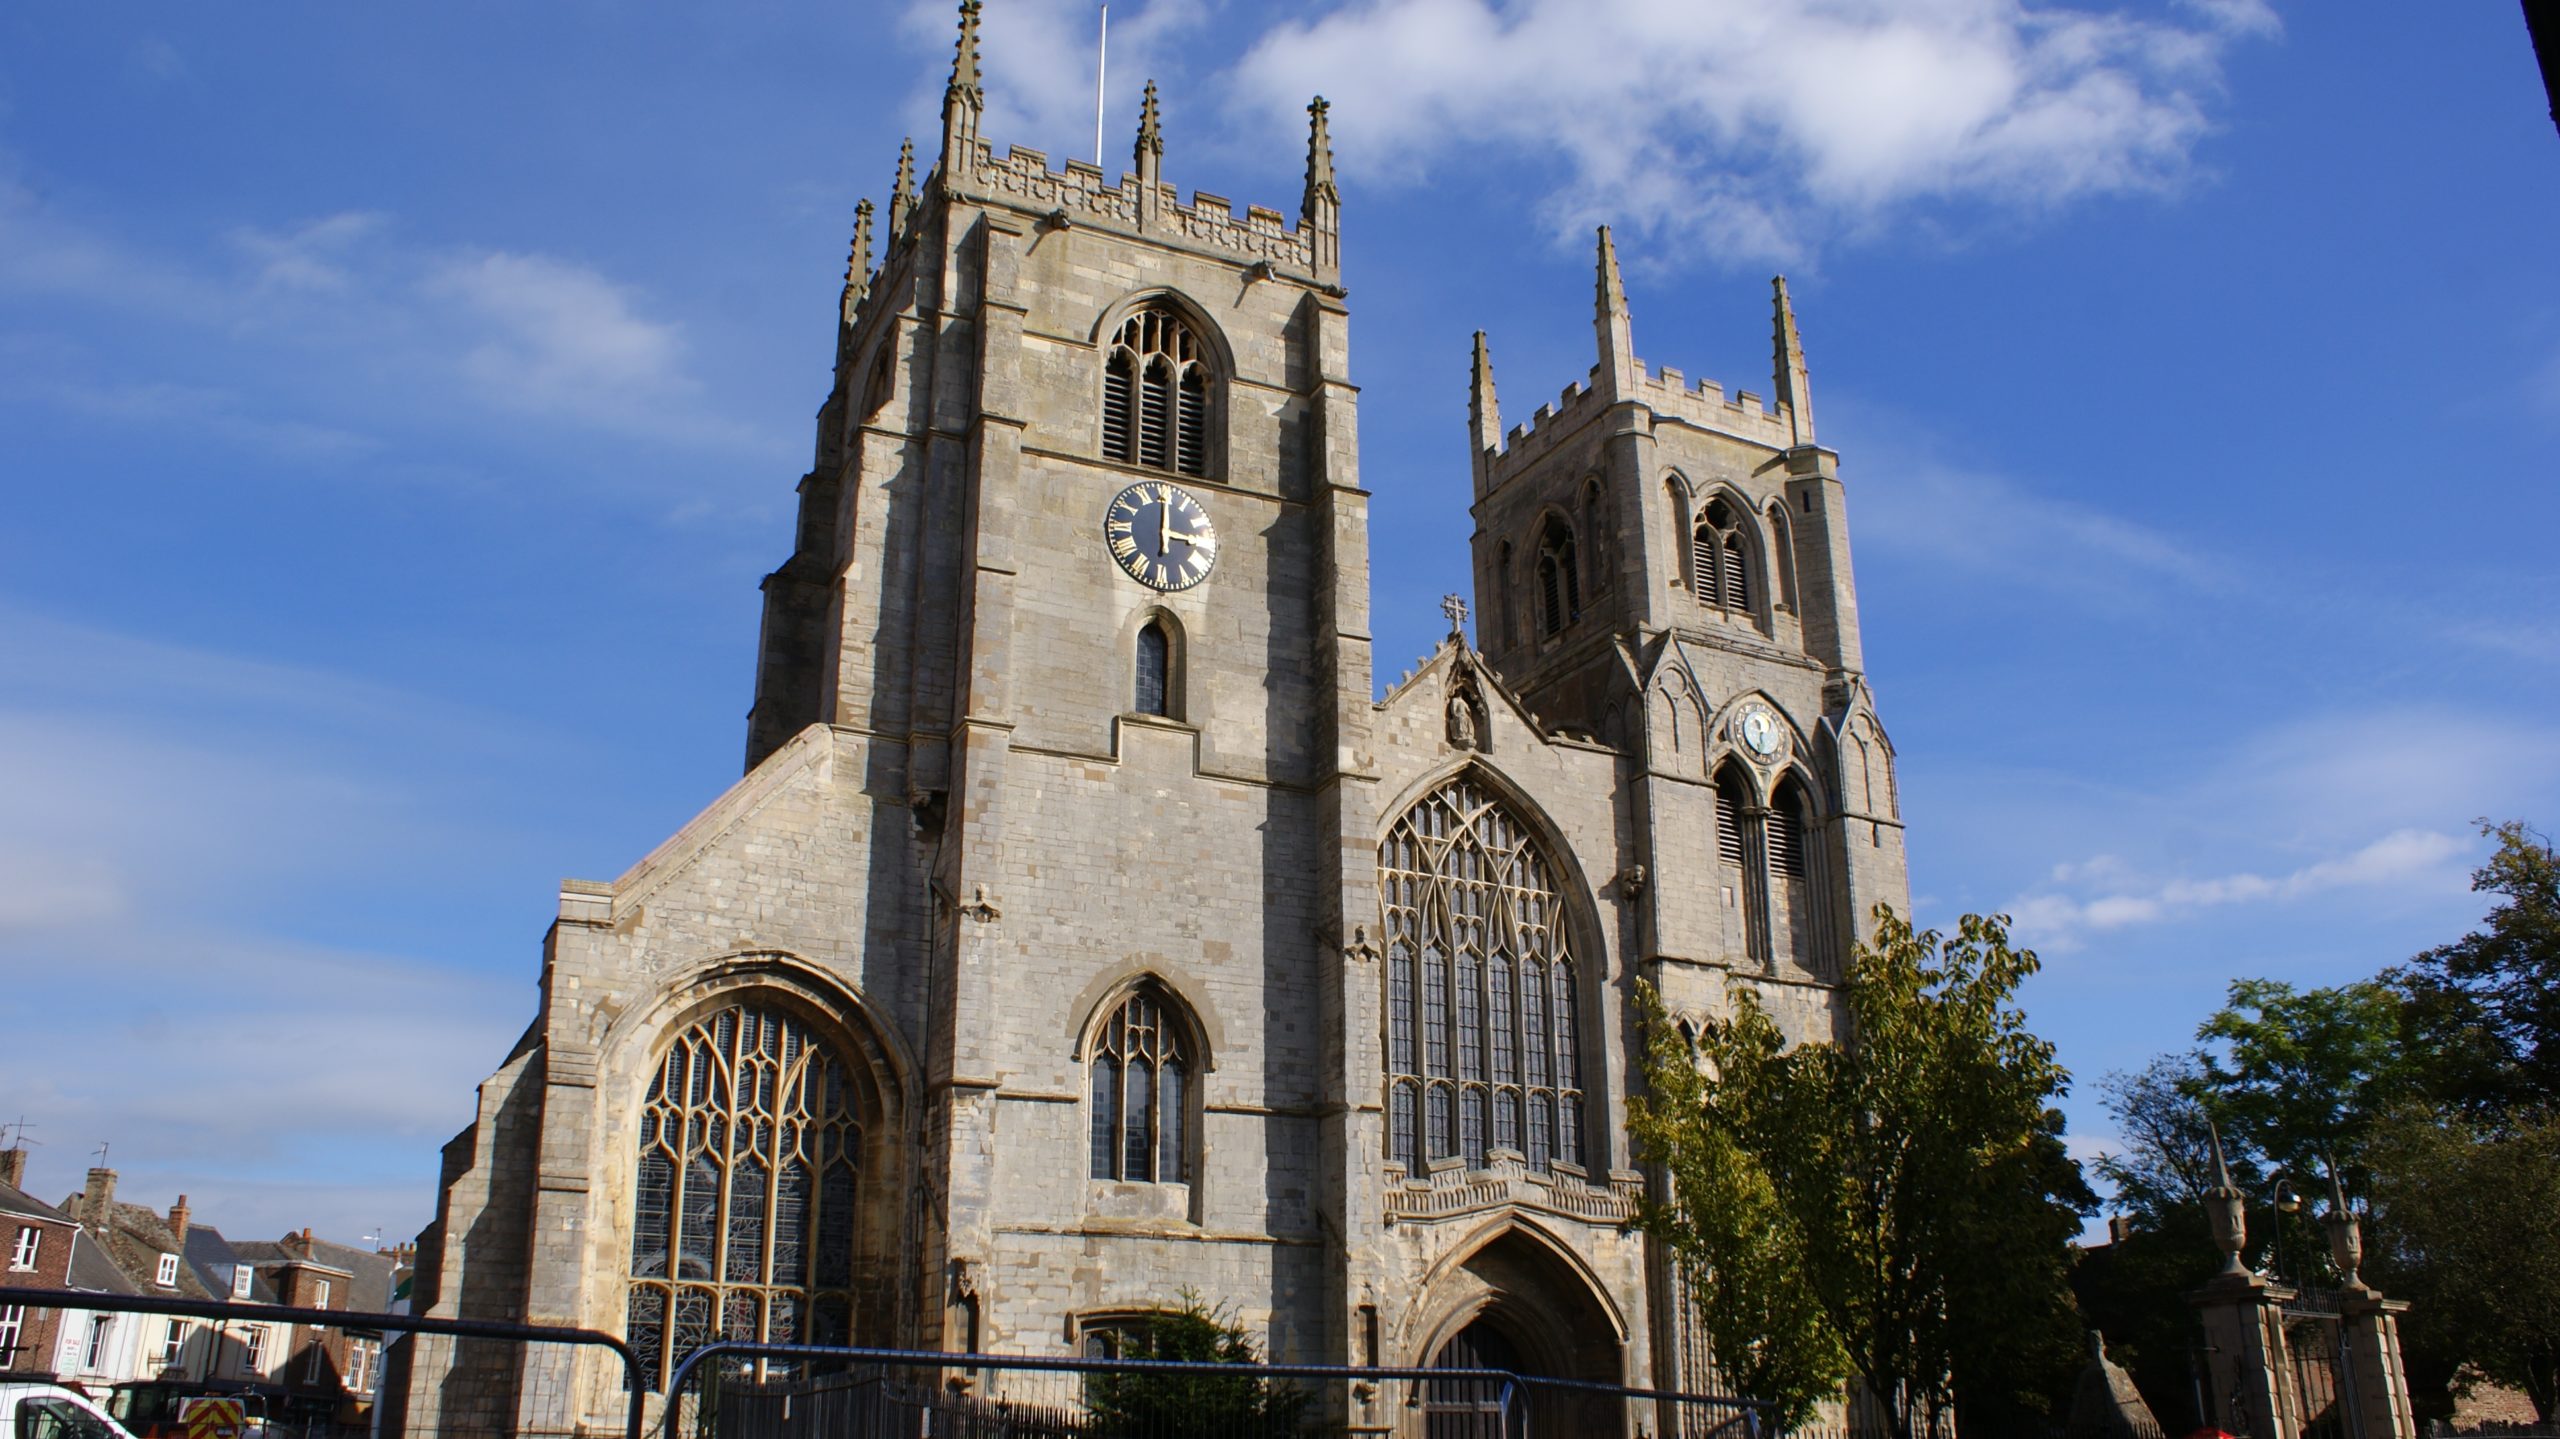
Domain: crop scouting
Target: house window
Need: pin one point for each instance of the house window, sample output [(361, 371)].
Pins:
[(1142, 1067), (320, 1294), (13, 1322), (1116, 1336), (242, 1276), (22, 1255), (1475, 922), (316, 1368), (743, 1213), (1156, 391), (359, 1366), (99, 1327), (1155, 670), (168, 1275), (253, 1349), (173, 1344)]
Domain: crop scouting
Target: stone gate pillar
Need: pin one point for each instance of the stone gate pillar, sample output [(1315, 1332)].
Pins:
[(2249, 1365), (2381, 1385)]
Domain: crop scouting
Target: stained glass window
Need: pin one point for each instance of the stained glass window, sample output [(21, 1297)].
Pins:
[(1475, 924), (1141, 1070), (743, 1208)]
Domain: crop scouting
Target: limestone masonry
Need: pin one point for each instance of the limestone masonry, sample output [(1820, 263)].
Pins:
[(1082, 929)]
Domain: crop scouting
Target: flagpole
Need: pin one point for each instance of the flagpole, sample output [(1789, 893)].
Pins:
[(1101, 69)]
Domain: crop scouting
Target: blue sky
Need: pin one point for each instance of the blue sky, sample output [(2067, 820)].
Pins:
[(399, 403)]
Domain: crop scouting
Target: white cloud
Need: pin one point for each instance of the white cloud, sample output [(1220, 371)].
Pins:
[(456, 333), (1992, 527), (2402, 859), (559, 336), (1758, 127)]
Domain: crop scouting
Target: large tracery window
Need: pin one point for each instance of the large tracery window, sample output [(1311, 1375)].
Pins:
[(1141, 1079), (743, 1214), (1482, 1052), (1155, 395)]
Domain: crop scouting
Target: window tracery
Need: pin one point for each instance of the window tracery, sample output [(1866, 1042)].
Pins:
[(1559, 580), (1718, 560), (1155, 394), (1490, 1055), (1141, 1074), (743, 1213)]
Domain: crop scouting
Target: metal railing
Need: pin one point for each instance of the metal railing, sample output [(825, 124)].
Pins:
[(743, 1390), (506, 1367)]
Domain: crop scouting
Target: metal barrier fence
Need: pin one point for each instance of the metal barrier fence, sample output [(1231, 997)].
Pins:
[(311, 1373), (739, 1390)]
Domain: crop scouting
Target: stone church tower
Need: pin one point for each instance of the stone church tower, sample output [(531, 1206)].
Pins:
[(1084, 930)]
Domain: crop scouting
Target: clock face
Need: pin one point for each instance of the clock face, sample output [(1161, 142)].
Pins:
[(1760, 731), (1159, 536)]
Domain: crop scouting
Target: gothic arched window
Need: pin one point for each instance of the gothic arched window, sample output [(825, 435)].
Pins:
[(743, 1213), (1596, 570), (1782, 550), (1799, 905), (1141, 1085), (1156, 395), (1483, 1045), (1154, 670), (1743, 844), (1718, 560), (1559, 580)]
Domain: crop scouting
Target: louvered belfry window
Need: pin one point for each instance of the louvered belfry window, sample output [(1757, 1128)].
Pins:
[(1491, 1056), (1719, 561), (743, 1214), (1156, 395), (1559, 581), (1141, 1077)]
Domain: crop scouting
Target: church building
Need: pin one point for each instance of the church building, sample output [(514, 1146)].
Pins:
[(1085, 928)]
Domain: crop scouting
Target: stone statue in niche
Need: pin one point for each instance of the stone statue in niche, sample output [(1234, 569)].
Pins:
[(1466, 726)]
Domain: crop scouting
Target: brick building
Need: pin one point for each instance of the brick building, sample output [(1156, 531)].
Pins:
[(36, 1245), (1085, 929)]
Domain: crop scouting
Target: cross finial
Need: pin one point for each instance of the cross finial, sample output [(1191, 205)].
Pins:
[(1456, 609)]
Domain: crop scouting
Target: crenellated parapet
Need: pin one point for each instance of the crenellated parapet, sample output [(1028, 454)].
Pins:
[(1079, 192), (1666, 391)]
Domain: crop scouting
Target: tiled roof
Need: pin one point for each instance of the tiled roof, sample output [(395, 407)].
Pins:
[(136, 1237), (14, 1200), (369, 1274), (92, 1270)]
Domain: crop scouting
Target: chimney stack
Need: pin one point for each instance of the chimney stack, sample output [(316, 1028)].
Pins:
[(13, 1168), (178, 1222), (98, 1200)]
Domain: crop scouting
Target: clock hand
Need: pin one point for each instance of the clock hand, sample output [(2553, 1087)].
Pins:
[(1164, 529)]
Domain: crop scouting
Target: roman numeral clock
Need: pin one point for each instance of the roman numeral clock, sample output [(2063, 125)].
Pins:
[(1160, 536)]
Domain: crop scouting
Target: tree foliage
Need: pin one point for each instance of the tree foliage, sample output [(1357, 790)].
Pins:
[(1896, 1206), (2434, 1087), (2471, 1226), (2486, 1008), (1140, 1402)]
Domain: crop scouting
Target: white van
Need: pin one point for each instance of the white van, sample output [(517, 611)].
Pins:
[(49, 1411)]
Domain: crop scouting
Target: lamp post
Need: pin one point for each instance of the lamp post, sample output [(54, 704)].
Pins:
[(2288, 1201)]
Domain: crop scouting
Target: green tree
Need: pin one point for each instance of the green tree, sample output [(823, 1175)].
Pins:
[(1897, 1206), (2485, 1009), (1142, 1402), (2298, 1078), (2473, 1237)]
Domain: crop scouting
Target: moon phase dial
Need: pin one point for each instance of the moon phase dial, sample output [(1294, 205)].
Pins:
[(1160, 536)]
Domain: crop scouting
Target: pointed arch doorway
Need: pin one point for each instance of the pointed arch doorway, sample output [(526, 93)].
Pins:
[(1520, 1302)]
